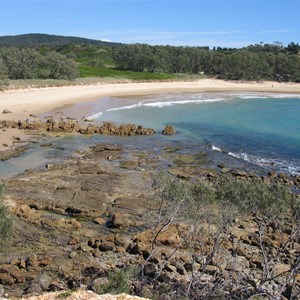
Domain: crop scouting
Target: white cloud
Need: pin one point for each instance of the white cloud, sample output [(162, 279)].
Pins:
[(275, 31)]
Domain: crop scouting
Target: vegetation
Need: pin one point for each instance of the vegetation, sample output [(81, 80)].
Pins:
[(255, 62), (38, 39), (208, 209), (57, 57), (6, 221), (28, 64), (118, 282)]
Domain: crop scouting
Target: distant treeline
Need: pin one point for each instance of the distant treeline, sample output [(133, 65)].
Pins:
[(28, 64), (50, 40), (255, 62)]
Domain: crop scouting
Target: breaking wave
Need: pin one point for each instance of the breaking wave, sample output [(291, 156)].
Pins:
[(159, 104)]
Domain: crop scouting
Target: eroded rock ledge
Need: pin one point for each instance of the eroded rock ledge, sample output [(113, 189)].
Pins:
[(73, 126)]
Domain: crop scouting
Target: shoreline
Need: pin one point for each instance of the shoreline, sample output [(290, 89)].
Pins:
[(23, 103)]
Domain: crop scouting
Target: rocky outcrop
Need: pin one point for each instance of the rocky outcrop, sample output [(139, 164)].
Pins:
[(168, 130), (73, 126)]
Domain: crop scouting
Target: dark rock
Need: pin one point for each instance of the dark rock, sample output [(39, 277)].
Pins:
[(150, 270), (6, 111), (107, 246)]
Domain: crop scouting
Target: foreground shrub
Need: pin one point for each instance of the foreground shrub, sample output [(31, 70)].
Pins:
[(118, 282)]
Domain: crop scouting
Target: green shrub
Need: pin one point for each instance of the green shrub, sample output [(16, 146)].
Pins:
[(118, 281), (252, 196), (6, 221)]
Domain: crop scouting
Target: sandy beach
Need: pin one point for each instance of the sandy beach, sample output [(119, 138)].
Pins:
[(23, 102)]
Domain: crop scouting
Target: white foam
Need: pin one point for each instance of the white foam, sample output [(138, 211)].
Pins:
[(279, 164), (215, 148), (159, 104)]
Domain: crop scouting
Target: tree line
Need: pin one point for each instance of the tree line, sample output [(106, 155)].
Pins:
[(255, 62), (28, 63)]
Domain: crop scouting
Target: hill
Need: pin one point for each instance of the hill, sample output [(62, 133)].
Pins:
[(38, 39)]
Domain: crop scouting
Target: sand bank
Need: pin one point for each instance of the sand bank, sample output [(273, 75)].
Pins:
[(23, 102)]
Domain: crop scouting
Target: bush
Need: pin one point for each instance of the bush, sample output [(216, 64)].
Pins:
[(118, 281), (253, 196), (6, 221)]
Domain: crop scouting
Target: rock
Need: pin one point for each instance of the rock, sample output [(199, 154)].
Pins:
[(32, 261), (73, 255), (6, 279), (107, 246), (118, 220), (150, 270), (129, 164), (7, 154), (12, 271), (34, 289), (168, 130), (44, 281), (6, 111), (100, 221)]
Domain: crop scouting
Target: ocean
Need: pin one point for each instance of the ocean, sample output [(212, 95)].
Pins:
[(243, 130), (262, 129)]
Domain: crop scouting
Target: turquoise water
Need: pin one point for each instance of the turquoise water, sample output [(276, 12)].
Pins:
[(263, 129)]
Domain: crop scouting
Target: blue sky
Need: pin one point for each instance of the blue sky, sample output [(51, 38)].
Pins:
[(225, 23)]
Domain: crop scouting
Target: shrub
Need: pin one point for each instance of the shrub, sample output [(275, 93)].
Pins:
[(6, 221), (253, 196), (118, 281)]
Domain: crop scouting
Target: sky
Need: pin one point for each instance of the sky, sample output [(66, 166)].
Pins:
[(213, 23)]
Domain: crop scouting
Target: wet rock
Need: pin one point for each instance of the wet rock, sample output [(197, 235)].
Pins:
[(168, 130), (7, 154)]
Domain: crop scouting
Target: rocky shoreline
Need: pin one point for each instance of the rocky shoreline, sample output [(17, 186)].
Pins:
[(77, 221)]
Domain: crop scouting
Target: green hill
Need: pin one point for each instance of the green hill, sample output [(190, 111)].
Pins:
[(39, 40)]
